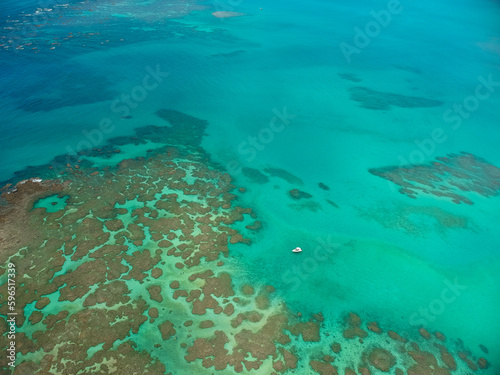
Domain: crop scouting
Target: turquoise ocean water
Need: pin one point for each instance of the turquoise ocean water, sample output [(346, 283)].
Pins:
[(279, 76)]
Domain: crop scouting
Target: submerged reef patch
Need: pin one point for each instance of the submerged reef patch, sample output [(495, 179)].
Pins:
[(452, 177), (349, 77), (379, 100), (298, 194), (285, 175), (416, 220), (255, 175)]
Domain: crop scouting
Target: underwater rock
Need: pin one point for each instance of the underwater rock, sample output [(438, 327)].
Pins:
[(381, 359), (167, 330), (373, 326), (308, 330), (323, 186), (440, 336), (35, 317), (396, 337), (248, 290), (155, 293), (332, 203), (297, 194), (262, 302), (353, 330), (256, 226), (446, 357), (153, 312), (424, 333), (483, 363), (463, 356), (255, 175), (336, 348), (323, 368), (206, 324), (156, 273), (42, 302), (426, 363), (114, 225)]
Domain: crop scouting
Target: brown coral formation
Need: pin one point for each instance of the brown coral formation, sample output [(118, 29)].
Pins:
[(298, 194), (354, 329), (440, 336), (308, 330), (451, 177), (447, 357), (426, 363), (424, 333), (323, 368), (336, 348), (373, 326), (483, 363), (259, 344), (396, 337), (464, 357), (381, 359)]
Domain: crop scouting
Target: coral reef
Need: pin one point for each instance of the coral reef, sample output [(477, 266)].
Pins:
[(298, 194), (131, 274), (452, 177)]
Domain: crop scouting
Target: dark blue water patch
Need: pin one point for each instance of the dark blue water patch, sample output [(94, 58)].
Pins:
[(52, 203), (379, 100), (62, 86), (183, 131)]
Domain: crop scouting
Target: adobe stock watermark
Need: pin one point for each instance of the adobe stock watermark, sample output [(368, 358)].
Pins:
[(250, 147), (122, 106), (450, 292), (454, 116), (309, 262), (11, 315), (372, 29)]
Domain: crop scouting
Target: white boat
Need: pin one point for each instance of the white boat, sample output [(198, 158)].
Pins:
[(297, 250)]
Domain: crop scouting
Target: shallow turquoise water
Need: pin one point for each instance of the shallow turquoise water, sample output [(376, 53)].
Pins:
[(51, 203), (245, 75)]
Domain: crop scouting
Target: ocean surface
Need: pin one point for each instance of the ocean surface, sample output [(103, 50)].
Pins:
[(382, 114)]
